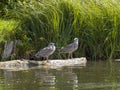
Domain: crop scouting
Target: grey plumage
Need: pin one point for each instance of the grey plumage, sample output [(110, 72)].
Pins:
[(46, 52), (70, 48)]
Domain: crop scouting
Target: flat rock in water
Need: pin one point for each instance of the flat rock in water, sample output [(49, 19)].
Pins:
[(53, 64), (117, 60)]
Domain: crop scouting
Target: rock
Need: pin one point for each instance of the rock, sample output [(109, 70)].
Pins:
[(117, 60), (53, 64), (8, 47), (69, 62)]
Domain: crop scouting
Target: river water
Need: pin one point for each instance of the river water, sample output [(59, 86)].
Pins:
[(96, 75)]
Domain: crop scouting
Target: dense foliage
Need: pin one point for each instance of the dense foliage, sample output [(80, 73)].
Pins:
[(37, 22)]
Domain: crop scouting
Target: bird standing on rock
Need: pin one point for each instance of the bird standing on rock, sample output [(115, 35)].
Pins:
[(70, 48), (46, 52)]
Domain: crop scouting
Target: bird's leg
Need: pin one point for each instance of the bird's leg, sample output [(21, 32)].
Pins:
[(68, 55), (71, 55), (47, 58)]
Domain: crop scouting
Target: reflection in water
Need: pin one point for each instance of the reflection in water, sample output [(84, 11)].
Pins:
[(2, 86), (11, 80), (47, 80), (67, 79), (95, 76), (40, 79), (29, 80), (71, 79)]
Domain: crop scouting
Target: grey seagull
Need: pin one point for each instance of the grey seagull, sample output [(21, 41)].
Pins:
[(46, 52), (70, 48)]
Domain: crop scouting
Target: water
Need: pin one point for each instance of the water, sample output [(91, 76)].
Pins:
[(100, 75)]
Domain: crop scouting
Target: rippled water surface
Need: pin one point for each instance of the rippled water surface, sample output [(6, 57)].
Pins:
[(100, 75)]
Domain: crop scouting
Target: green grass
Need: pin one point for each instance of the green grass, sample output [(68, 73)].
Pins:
[(95, 23), (7, 29)]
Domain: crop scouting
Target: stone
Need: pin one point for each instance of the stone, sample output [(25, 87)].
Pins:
[(8, 47), (52, 64)]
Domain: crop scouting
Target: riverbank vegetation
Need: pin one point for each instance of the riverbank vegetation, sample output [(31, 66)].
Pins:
[(37, 22)]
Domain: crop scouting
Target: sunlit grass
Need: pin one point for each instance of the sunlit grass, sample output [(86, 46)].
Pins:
[(7, 28)]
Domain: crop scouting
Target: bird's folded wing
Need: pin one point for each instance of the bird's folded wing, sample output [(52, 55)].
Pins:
[(67, 48), (44, 51)]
